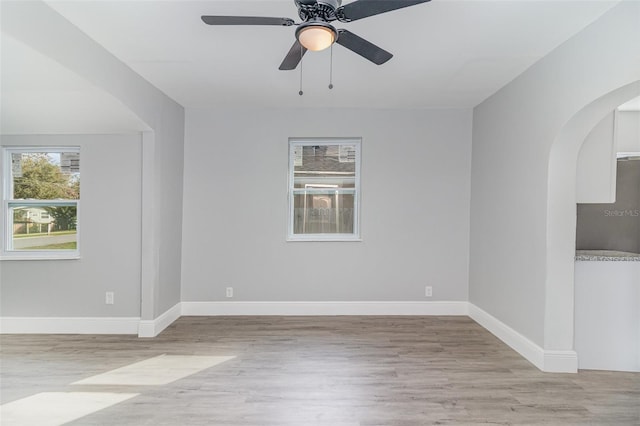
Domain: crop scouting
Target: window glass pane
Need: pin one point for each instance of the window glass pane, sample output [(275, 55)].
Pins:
[(45, 175), (43, 227), (324, 166), (323, 212), (324, 188)]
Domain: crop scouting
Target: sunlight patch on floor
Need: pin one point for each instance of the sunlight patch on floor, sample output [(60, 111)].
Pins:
[(159, 370), (57, 408)]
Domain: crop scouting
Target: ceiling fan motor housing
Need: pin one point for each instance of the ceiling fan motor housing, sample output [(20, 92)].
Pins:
[(334, 4), (316, 33), (324, 10)]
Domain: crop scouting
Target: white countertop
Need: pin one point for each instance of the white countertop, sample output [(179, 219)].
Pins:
[(606, 255)]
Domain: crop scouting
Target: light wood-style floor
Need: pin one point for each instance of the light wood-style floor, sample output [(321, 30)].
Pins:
[(336, 371)]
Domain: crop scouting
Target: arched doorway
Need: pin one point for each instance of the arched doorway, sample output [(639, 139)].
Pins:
[(561, 223)]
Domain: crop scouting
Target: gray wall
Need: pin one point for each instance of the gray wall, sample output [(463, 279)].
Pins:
[(109, 238), (167, 206), (628, 128), (415, 207), (40, 27), (614, 226), (513, 134), (596, 166)]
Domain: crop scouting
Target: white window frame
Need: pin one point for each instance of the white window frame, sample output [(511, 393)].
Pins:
[(7, 252), (301, 142)]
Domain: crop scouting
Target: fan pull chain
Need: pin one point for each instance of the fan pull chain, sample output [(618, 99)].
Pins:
[(331, 69), (301, 57)]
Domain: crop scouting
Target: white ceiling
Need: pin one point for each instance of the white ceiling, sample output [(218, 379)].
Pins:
[(448, 53), (41, 96)]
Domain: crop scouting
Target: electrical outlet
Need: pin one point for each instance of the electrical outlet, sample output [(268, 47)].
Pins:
[(229, 291), (108, 298), (428, 291)]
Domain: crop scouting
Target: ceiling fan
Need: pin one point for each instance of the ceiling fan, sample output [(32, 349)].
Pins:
[(315, 31)]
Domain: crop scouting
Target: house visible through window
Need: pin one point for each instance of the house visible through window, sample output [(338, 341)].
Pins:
[(324, 189), (41, 194)]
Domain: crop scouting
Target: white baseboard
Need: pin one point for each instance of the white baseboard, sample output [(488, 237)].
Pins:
[(151, 328), (560, 361), (515, 340), (324, 308), (546, 360), (75, 325)]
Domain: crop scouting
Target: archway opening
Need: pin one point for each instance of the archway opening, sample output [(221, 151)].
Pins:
[(561, 219)]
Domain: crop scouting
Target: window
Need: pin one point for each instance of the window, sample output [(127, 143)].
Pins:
[(41, 196), (324, 189)]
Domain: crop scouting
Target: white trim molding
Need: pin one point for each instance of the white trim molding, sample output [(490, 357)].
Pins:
[(551, 361), (516, 341), (560, 361), (68, 325), (546, 360), (151, 328), (324, 308)]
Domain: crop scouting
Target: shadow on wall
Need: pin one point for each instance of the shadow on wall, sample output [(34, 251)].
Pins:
[(614, 226)]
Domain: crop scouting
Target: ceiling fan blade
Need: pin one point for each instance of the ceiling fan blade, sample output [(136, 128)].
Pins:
[(364, 8), (246, 20), (293, 58), (362, 47)]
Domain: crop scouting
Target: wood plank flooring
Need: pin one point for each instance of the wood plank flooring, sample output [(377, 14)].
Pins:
[(338, 371)]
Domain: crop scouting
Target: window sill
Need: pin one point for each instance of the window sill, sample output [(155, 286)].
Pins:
[(323, 239), (70, 256)]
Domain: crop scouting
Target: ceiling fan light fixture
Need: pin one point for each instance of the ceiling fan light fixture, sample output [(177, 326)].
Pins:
[(316, 36)]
